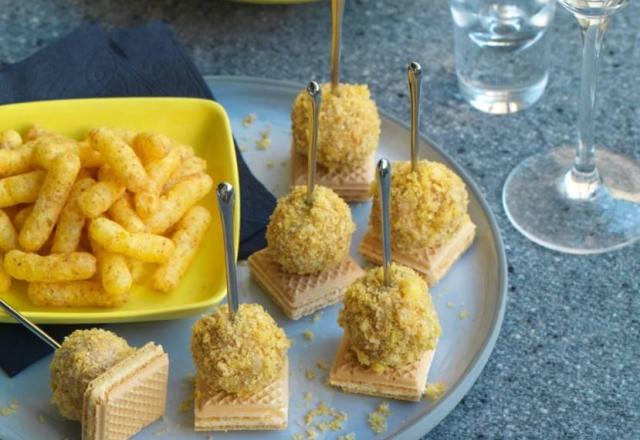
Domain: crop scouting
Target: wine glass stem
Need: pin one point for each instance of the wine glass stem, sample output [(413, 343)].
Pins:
[(592, 36)]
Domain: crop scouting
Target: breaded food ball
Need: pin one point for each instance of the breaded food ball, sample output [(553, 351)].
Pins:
[(306, 239), (349, 126), (391, 326), (427, 206), (83, 356), (240, 356)]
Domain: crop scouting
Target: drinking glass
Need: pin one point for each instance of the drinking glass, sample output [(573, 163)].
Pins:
[(571, 199), (501, 48)]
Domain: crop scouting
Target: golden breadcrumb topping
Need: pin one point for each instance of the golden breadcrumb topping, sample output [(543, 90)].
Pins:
[(435, 390), (305, 239), (83, 356), (389, 326), (349, 126), (240, 356), (427, 206), (10, 409), (378, 418)]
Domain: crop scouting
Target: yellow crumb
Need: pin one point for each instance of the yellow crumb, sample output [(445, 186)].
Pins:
[(269, 163), (317, 316), (310, 374), (451, 305), (312, 434), (41, 418), (298, 436), (186, 404), (378, 418), (463, 314), (350, 436), (265, 139), (308, 335), (9, 409), (248, 120), (308, 396), (435, 390), (322, 365)]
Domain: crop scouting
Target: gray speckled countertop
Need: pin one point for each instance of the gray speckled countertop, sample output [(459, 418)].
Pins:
[(566, 364)]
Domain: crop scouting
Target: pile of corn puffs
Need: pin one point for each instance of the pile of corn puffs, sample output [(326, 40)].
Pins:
[(83, 220)]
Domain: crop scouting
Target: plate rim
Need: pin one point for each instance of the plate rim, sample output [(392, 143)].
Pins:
[(454, 394)]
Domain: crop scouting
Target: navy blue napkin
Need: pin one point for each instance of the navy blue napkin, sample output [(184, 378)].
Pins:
[(89, 62)]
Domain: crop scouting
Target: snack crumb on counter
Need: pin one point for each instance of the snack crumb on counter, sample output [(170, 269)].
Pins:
[(161, 431), (270, 163), (298, 436), (322, 365), (378, 418), (435, 390), (248, 120), (463, 314), (350, 436), (10, 409), (308, 335), (308, 396), (317, 316), (265, 139), (451, 305)]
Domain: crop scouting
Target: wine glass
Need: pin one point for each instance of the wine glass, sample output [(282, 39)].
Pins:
[(571, 199)]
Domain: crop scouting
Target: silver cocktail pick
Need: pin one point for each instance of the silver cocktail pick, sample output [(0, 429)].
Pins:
[(315, 94), (384, 182), (337, 10), (226, 202), (414, 77), (29, 325)]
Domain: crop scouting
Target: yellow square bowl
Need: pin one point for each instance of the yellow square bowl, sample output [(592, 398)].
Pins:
[(200, 123)]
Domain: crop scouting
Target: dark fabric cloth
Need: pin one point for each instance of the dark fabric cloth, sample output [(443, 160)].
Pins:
[(89, 62)]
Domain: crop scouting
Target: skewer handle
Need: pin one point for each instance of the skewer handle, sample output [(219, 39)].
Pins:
[(29, 325), (315, 94), (337, 11), (226, 202), (414, 77), (384, 181)]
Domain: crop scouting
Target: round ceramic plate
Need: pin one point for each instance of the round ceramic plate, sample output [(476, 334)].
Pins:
[(470, 301)]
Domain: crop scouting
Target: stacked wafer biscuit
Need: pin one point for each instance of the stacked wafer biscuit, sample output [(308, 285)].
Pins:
[(265, 410), (302, 295), (432, 263), (353, 185), (406, 383), (127, 397)]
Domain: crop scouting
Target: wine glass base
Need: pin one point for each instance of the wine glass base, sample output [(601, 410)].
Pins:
[(538, 204)]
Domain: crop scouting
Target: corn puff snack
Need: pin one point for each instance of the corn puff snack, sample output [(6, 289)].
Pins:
[(187, 237)]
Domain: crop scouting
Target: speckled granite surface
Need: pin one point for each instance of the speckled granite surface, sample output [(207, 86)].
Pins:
[(567, 362)]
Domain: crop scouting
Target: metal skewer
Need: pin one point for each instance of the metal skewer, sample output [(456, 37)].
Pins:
[(414, 77), (383, 171), (315, 93), (337, 11), (29, 325), (226, 202)]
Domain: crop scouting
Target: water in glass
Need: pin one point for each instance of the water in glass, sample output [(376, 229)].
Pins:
[(501, 51)]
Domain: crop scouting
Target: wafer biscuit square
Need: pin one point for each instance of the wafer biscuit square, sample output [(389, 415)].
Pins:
[(352, 185), (302, 295), (265, 410), (406, 383), (127, 397), (432, 263)]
